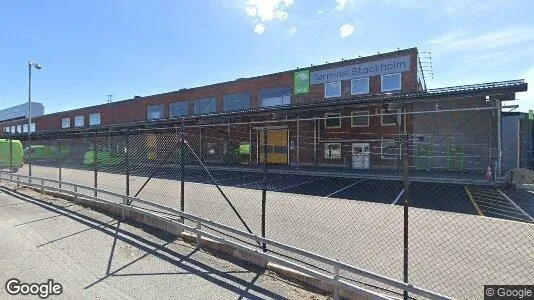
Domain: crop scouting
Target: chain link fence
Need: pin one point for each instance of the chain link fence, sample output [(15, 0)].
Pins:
[(420, 193)]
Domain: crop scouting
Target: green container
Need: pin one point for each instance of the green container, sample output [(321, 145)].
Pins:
[(44, 152), (103, 158), (423, 158), (455, 158), (16, 152)]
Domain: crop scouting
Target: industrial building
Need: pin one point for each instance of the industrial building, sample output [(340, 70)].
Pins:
[(348, 114)]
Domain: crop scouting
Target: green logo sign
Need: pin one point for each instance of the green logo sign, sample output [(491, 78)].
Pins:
[(530, 114), (302, 82)]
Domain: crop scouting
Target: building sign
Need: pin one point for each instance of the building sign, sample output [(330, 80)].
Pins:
[(301, 82), (379, 67)]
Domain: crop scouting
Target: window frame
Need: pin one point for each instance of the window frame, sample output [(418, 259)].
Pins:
[(171, 109), (32, 127), (325, 89), (13, 129), (161, 111), (366, 112), (359, 93), (226, 96), (390, 75), (330, 117), (326, 148), (382, 149), (63, 120), (398, 110), (214, 99), (91, 119), (24, 128), (77, 118), (282, 97)]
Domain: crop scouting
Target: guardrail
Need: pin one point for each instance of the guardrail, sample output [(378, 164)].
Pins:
[(332, 277)]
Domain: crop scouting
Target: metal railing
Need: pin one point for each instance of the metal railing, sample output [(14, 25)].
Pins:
[(332, 277)]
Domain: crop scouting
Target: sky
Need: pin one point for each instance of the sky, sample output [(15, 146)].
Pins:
[(91, 49)]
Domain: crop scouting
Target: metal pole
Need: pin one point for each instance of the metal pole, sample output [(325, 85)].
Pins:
[(95, 162), (264, 188), (297, 143), (499, 141), (29, 118), (182, 168), (127, 160), (229, 154), (11, 155), (405, 204), (315, 142), (60, 157), (250, 143), (199, 139)]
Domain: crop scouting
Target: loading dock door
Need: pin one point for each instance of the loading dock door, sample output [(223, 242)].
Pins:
[(276, 146)]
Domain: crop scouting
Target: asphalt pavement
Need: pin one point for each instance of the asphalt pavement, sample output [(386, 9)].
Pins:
[(94, 256)]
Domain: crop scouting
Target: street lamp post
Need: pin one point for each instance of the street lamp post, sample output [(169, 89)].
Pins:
[(38, 67)]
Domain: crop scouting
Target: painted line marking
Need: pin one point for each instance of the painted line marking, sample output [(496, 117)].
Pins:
[(348, 186), (398, 197), (245, 184), (473, 201), (516, 206), (299, 184)]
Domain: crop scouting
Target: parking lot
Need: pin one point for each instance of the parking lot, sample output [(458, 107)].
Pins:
[(496, 202), (463, 235)]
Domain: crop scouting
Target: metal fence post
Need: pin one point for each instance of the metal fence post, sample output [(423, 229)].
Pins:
[(127, 160), (76, 194), (60, 158), (264, 188), (42, 185), (405, 204), (182, 169), (95, 162), (11, 155), (336, 279), (199, 237)]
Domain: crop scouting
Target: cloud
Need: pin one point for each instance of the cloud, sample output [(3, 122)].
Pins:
[(292, 30), (459, 41), (320, 12), (268, 10), (346, 30), (340, 4), (263, 11), (259, 28)]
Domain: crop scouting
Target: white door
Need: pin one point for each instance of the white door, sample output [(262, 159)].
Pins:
[(360, 156)]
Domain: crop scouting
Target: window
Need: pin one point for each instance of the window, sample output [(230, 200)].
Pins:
[(19, 128), (275, 96), (65, 123), (25, 128), (94, 119), (332, 150), (359, 86), (205, 106), (391, 82), (390, 150), (389, 120), (359, 118), (6, 129), (236, 101), (332, 89), (178, 109), (78, 121), (32, 127), (154, 112), (12, 129), (332, 121)]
